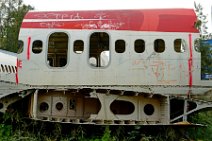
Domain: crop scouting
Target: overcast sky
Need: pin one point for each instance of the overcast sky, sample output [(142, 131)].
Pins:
[(53, 5), (112, 4)]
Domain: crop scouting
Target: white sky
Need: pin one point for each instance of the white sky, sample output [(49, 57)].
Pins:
[(54, 5), (112, 4)]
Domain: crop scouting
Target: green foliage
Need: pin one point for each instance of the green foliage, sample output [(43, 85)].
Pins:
[(202, 133), (78, 134), (201, 19), (201, 23), (106, 136), (5, 131), (134, 134), (11, 16)]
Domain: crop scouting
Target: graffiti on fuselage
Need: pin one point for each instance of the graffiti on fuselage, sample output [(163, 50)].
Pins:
[(162, 70)]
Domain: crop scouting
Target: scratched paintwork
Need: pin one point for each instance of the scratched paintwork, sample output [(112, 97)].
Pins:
[(163, 20), (138, 79), (132, 69), (149, 68)]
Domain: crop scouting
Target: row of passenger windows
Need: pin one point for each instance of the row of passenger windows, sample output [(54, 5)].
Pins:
[(139, 46), (8, 69), (99, 52)]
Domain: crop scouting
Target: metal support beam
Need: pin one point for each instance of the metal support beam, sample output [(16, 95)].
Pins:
[(185, 110), (200, 105), (35, 104)]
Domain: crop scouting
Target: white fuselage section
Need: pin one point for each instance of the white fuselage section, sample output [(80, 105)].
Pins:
[(149, 68), (7, 73), (7, 66)]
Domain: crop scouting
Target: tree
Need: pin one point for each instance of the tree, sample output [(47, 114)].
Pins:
[(201, 23), (11, 15), (201, 19), (203, 46)]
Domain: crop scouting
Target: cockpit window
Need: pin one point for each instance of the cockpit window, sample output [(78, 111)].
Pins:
[(20, 46)]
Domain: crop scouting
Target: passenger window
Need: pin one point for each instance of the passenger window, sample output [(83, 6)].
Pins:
[(139, 46), (159, 45), (78, 46), (37, 46), (6, 69), (2, 68), (20, 46), (99, 54), (120, 46), (179, 45), (9, 68), (13, 69), (57, 49)]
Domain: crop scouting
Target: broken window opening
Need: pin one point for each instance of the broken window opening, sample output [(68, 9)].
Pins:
[(58, 49), (179, 45), (99, 49)]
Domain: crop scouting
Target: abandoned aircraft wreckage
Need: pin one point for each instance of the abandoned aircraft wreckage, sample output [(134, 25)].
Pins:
[(127, 67)]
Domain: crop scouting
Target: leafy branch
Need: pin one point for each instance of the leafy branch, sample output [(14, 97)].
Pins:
[(201, 23)]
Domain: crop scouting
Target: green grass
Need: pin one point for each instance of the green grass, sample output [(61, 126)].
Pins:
[(13, 128)]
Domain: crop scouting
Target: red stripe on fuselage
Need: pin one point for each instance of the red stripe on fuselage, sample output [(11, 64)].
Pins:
[(16, 74), (28, 48), (190, 62), (161, 20)]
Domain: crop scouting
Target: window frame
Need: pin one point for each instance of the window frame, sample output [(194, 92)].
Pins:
[(183, 45), (106, 48), (143, 48), (157, 45), (78, 51), (34, 46), (117, 50), (20, 48), (55, 61)]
